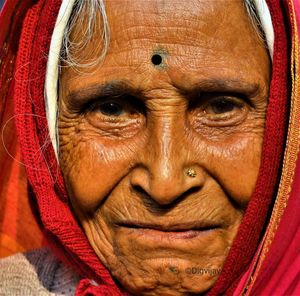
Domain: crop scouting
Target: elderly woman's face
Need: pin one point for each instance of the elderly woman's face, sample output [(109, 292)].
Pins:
[(131, 130)]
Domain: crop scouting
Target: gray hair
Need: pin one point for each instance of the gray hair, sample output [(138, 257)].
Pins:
[(86, 10), (254, 16)]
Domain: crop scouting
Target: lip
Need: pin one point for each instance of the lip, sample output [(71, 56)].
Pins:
[(186, 230)]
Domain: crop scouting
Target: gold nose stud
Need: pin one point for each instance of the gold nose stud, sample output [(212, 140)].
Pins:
[(191, 173)]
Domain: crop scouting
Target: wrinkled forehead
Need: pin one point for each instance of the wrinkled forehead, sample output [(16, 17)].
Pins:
[(191, 35), (172, 22)]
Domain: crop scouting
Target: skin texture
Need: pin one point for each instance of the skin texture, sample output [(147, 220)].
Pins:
[(130, 130)]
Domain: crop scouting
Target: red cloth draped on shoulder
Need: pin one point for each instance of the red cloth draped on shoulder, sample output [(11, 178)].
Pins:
[(48, 194)]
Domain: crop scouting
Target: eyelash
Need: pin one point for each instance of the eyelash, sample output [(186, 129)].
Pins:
[(127, 104), (235, 103), (134, 108), (106, 104)]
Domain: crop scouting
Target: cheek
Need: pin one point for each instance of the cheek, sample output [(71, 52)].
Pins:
[(92, 167), (235, 165)]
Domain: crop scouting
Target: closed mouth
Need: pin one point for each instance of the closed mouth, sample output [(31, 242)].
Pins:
[(182, 227)]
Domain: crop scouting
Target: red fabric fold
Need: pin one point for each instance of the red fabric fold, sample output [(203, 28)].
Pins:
[(89, 288)]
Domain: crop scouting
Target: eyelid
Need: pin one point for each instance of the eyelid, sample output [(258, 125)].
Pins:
[(125, 101), (235, 103), (99, 105), (230, 99), (204, 98), (94, 107)]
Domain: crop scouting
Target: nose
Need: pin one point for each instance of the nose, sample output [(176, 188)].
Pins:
[(167, 170)]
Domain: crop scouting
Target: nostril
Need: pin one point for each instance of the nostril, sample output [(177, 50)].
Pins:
[(140, 191), (190, 191), (154, 204)]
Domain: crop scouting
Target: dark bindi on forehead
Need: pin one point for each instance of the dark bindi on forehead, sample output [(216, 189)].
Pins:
[(158, 58)]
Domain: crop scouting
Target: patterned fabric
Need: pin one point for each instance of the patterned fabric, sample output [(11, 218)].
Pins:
[(36, 273)]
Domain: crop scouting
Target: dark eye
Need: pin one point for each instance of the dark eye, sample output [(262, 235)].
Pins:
[(221, 106), (110, 109)]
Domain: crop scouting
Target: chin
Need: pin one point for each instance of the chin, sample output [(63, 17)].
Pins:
[(149, 261), (168, 276)]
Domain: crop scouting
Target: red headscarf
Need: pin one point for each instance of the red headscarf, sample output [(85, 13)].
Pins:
[(47, 189)]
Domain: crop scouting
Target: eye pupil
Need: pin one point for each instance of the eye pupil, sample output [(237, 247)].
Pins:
[(222, 106), (110, 108)]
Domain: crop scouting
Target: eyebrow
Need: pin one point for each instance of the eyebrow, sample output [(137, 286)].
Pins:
[(249, 89), (108, 89), (120, 88)]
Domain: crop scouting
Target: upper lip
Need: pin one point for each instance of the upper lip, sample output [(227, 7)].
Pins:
[(193, 225)]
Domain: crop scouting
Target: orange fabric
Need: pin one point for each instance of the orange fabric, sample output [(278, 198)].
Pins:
[(18, 229)]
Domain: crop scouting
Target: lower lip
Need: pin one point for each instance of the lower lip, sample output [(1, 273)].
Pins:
[(155, 234)]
